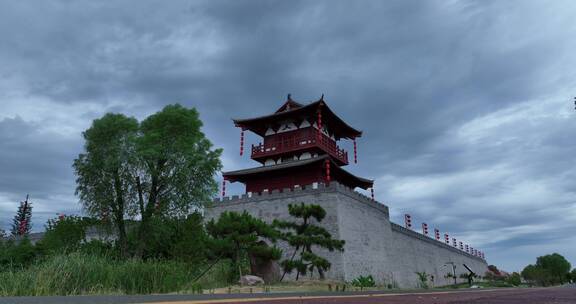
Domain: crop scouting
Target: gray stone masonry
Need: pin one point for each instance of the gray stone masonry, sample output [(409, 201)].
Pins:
[(374, 246)]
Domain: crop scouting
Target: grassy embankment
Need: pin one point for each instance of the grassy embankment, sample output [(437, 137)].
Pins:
[(77, 274)]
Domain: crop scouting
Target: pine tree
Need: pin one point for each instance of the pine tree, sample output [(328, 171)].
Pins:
[(22, 224), (303, 237)]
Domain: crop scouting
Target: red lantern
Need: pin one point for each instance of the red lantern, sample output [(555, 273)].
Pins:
[(242, 142), (408, 221)]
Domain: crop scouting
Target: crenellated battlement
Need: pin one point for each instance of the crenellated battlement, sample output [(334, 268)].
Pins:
[(301, 191)]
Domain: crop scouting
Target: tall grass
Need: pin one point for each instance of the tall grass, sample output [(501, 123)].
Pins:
[(77, 273)]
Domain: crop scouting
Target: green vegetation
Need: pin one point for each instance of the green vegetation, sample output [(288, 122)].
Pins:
[(22, 222), (161, 167), (549, 270), (78, 273), (238, 237), (302, 235), (422, 280), (364, 281)]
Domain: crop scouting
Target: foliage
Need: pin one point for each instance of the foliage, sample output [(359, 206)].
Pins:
[(17, 255), (182, 239), (238, 235), (22, 222), (163, 166), (65, 233), (105, 170), (422, 279), (549, 270), (364, 281), (573, 275), (514, 279), (78, 273), (303, 236)]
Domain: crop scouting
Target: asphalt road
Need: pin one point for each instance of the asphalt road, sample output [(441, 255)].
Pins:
[(560, 295)]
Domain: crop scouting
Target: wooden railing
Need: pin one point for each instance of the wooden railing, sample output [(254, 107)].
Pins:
[(298, 142)]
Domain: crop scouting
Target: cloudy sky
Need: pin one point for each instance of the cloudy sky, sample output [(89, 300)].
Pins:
[(466, 105)]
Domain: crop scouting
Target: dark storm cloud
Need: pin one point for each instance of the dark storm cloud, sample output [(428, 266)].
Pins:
[(463, 103)]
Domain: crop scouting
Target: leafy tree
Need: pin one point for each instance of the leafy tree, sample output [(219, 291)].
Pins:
[(176, 166), (573, 275), (303, 236), (549, 270), (22, 222), (105, 172), (163, 166), (555, 265), (238, 235)]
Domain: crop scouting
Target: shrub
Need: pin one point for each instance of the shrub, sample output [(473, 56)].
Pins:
[(514, 279), (364, 281), (17, 255)]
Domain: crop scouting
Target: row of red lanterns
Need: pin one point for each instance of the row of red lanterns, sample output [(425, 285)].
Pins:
[(455, 244)]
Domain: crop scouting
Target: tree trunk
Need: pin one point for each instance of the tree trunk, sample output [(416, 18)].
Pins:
[(119, 215)]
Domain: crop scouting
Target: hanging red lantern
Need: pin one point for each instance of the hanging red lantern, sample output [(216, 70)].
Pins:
[(327, 171), (223, 188), (242, 142), (355, 152)]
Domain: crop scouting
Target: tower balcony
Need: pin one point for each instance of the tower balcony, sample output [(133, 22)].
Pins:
[(299, 142)]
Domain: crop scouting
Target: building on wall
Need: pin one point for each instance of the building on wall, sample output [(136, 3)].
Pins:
[(300, 161), (300, 147)]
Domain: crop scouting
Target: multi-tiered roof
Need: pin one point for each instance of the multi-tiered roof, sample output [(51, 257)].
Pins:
[(299, 148)]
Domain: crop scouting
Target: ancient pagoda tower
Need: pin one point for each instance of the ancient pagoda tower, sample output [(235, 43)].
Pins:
[(300, 147), (300, 162)]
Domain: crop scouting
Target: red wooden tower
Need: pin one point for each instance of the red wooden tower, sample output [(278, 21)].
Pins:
[(299, 148)]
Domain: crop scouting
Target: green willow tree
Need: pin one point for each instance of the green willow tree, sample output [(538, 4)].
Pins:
[(176, 166), (304, 236), (163, 166), (105, 171)]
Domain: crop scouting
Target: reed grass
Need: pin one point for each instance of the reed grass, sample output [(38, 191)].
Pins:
[(78, 274)]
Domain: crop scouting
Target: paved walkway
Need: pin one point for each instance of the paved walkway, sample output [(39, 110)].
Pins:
[(483, 296)]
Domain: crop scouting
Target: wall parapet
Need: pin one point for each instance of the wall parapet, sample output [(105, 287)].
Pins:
[(414, 234), (332, 187)]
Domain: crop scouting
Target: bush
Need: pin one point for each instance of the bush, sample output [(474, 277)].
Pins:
[(514, 279), (65, 233), (17, 255), (364, 281)]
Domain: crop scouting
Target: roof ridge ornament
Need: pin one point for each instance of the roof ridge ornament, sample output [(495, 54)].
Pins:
[(289, 97)]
